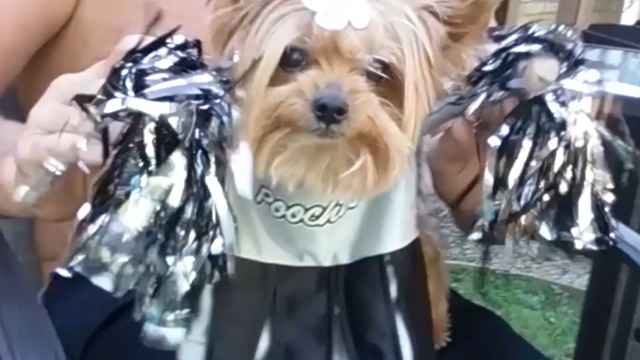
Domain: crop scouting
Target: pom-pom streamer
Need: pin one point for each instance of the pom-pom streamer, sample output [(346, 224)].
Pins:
[(158, 222), (547, 162)]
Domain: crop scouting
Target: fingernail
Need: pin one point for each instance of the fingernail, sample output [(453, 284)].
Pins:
[(82, 145), (82, 148), (83, 167), (90, 153)]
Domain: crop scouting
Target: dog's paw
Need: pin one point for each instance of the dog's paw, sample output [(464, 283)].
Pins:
[(439, 296), (441, 332)]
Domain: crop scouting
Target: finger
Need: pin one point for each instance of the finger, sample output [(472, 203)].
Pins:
[(121, 49), (489, 120), (54, 118), (453, 167), (460, 139), (91, 153), (115, 130), (454, 147), (65, 87), (540, 72), (67, 148), (82, 124)]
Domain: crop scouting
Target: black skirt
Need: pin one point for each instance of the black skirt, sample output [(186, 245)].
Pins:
[(376, 308), (93, 325)]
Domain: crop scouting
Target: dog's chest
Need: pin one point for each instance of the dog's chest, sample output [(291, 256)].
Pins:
[(302, 229)]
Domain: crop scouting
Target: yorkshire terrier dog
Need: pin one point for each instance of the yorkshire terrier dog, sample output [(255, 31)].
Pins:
[(340, 111)]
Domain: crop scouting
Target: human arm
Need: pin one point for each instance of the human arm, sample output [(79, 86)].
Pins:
[(36, 22), (459, 154), (11, 132), (58, 130), (457, 158)]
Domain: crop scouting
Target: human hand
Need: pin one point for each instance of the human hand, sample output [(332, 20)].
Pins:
[(56, 127), (59, 132), (457, 158), (457, 155)]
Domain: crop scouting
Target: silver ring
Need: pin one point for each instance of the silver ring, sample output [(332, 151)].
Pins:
[(33, 188)]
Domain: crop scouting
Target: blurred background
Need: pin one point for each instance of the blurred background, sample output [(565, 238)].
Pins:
[(578, 12), (538, 290)]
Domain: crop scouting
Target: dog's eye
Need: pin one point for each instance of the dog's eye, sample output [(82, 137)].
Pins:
[(293, 59), (377, 70)]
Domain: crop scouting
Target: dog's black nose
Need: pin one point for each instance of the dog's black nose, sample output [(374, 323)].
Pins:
[(330, 108)]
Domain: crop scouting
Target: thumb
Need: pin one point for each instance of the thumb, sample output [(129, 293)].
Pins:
[(125, 45), (66, 86)]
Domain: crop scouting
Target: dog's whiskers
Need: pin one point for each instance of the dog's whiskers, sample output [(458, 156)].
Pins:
[(355, 166), (327, 132)]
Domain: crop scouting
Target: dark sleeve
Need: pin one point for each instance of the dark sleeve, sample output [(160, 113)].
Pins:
[(9, 106), (94, 325), (479, 334)]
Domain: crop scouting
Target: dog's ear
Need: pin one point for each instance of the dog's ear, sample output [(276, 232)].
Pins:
[(466, 21), (464, 24), (226, 20)]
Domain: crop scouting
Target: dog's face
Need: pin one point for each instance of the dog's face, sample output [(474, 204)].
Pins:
[(330, 115), (336, 112)]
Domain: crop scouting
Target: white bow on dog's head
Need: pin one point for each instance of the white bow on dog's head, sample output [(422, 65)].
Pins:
[(338, 14)]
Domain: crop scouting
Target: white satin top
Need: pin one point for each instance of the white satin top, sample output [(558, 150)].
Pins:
[(303, 229)]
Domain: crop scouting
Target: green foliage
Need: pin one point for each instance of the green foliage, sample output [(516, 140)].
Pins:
[(545, 314)]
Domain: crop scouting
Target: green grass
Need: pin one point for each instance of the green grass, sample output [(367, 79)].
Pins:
[(545, 314)]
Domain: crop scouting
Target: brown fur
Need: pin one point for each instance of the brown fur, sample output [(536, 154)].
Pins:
[(438, 282), (426, 42)]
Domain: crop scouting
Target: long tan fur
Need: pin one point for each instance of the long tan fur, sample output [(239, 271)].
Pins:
[(426, 42)]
